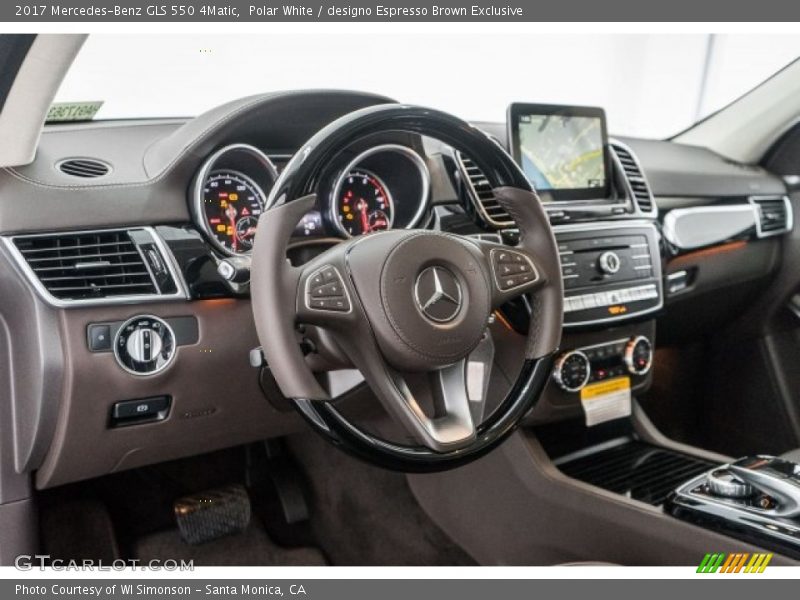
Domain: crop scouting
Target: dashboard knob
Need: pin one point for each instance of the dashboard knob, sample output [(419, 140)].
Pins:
[(638, 355), (723, 483), (609, 263), (572, 371), (144, 345)]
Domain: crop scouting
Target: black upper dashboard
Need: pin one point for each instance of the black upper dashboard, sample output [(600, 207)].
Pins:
[(202, 183)]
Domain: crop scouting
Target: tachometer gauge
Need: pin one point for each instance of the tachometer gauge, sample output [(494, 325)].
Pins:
[(232, 205), (361, 204)]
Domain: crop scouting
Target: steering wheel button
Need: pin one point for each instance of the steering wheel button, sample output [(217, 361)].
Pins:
[(329, 290), (509, 282)]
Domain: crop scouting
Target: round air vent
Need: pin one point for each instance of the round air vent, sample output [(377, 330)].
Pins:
[(84, 167)]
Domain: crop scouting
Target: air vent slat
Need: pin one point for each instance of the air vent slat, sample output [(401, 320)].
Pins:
[(636, 180), (482, 194), (84, 167), (81, 266), (774, 215)]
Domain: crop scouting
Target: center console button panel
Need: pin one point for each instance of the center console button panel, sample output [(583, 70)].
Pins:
[(611, 272), (575, 369)]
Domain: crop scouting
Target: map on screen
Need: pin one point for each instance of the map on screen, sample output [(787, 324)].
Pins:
[(560, 152)]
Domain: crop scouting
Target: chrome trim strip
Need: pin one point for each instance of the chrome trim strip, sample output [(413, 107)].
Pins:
[(416, 160), (196, 205), (169, 261), (696, 227)]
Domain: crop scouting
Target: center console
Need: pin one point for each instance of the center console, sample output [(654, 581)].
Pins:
[(756, 498), (603, 216), (599, 473)]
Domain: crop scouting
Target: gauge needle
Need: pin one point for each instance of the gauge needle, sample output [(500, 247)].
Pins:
[(230, 212), (364, 217)]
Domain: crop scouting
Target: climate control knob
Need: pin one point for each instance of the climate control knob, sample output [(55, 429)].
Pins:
[(572, 371), (144, 345), (638, 355)]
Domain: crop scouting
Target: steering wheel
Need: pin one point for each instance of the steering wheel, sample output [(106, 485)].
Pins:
[(404, 302)]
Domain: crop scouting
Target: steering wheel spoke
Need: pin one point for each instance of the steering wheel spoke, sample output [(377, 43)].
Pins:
[(434, 408)]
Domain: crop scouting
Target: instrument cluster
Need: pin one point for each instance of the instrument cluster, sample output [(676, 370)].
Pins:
[(386, 186)]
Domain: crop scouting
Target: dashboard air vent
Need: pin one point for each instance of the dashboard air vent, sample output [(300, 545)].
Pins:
[(774, 215), (633, 173), (93, 265), (84, 167), (482, 195)]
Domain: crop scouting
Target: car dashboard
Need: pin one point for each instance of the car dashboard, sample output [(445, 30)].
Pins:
[(125, 259)]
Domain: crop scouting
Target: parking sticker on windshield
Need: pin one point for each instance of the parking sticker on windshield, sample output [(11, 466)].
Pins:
[(606, 400), (61, 112)]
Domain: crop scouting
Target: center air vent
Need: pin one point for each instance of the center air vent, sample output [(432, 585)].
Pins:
[(774, 215), (84, 167), (482, 195), (636, 180), (97, 265)]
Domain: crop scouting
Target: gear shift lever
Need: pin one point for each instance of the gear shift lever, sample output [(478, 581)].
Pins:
[(757, 497), (775, 477)]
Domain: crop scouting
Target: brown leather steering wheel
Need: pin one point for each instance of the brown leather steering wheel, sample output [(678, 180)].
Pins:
[(406, 302)]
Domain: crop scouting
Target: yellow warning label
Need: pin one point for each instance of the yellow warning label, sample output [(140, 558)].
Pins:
[(602, 388)]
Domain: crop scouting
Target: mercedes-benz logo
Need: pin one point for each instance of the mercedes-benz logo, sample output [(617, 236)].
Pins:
[(438, 294)]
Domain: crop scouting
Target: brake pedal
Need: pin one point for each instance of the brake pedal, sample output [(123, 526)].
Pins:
[(212, 514)]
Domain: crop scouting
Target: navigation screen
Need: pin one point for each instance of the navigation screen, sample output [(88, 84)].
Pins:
[(562, 150)]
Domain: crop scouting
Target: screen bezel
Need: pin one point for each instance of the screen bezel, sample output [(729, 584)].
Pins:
[(517, 109)]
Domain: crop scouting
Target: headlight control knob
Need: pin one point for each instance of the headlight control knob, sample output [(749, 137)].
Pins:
[(144, 345), (638, 355), (572, 371)]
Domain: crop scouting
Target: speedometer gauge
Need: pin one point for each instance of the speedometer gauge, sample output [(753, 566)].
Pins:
[(229, 195), (362, 204), (232, 205)]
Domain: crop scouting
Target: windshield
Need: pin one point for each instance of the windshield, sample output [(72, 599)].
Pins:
[(650, 85)]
